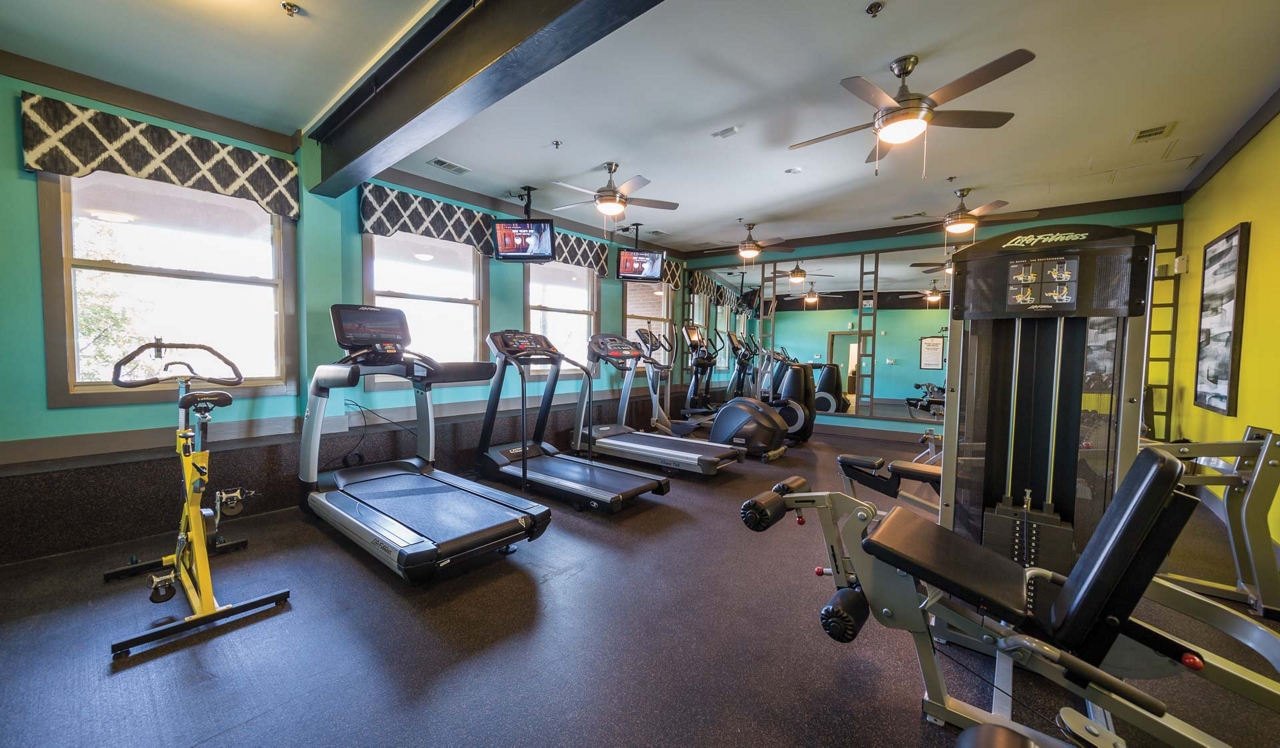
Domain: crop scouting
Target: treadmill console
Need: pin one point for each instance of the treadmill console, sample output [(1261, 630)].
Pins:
[(377, 334), (612, 348), (524, 348)]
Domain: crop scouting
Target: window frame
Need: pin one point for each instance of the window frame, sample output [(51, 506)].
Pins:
[(53, 199), (593, 311), (481, 291), (668, 322)]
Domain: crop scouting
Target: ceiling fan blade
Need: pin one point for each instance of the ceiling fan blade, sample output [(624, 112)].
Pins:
[(641, 202), (869, 92), (724, 251), (779, 249), (927, 264), (982, 210), (884, 147), (636, 183), (938, 269), (982, 76), (572, 187), (572, 205), (1021, 215), (829, 136), (771, 242), (913, 295), (970, 118), (925, 227)]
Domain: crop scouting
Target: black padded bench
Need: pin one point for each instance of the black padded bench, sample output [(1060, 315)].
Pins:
[(1096, 601), (865, 472)]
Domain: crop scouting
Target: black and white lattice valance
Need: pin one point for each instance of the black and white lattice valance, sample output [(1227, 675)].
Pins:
[(384, 211), (725, 297), (671, 274), (587, 253), (63, 138), (701, 283)]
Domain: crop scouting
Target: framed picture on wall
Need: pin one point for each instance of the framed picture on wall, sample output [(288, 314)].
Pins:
[(1226, 260), (931, 352)]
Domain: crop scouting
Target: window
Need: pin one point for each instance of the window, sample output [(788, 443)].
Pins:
[(129, 260), (437, 284), (561, 304), (724, 323), (647, 305)]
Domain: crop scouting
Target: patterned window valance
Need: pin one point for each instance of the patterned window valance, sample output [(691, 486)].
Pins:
[(724, 297), (384, 211), (671, 274), (63, 138), (701, 283)]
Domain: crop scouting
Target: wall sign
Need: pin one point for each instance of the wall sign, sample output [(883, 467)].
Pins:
[(932, 352), (1222, 320)]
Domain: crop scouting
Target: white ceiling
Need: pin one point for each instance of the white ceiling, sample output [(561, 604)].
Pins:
[(894, 274), (243, 59), (651, 94)]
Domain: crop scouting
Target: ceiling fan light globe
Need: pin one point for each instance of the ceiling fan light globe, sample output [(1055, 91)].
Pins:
[(933, 297), (610, 206), (961, 226), (749, 250), (811, 298), (897, 126)]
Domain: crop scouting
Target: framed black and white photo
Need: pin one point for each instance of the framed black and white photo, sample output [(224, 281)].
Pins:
[(931, 352), (1226, 260)]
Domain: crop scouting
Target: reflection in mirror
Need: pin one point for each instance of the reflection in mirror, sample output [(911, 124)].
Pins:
[(873, 326)]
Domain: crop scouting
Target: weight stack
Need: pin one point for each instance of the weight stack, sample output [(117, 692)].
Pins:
[(1032, 538)]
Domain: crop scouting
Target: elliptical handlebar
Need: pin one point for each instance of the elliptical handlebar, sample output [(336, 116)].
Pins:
[(160, 347)]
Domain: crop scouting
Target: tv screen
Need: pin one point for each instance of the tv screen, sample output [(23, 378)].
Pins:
[(357, 326), (524, 240), (639, 265)]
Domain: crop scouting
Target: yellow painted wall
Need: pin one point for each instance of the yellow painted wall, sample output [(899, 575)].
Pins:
[(1246, 189)]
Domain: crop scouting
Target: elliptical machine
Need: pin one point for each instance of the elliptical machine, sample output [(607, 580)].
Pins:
[(829, 396), (789, 388), (743, 422)]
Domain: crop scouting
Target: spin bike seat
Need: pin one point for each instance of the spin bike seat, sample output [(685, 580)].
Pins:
[(209, 399)]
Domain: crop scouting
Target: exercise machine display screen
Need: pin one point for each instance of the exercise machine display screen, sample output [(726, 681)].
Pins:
[(514, 341), (357, 326), (524, 240), (612, 347), (639, 265)]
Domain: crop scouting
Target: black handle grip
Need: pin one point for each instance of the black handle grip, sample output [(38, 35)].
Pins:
[(118, 369), (844, 614)]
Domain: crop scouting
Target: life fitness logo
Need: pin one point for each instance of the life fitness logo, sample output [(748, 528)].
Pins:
[(1031, 240)]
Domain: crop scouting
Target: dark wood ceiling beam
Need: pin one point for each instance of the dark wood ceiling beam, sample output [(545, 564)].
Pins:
[(472, 58)]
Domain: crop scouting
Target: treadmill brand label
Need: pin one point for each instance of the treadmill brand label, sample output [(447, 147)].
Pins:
[(1031, 240)]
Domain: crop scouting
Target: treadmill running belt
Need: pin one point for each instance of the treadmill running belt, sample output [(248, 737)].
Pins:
[(434, 510), (688, 446)]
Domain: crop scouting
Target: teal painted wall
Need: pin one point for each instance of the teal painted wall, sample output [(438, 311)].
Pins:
[(804, 335), (330, 268)]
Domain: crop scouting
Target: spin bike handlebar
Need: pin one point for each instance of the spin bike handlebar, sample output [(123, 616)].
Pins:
[(160, 348)]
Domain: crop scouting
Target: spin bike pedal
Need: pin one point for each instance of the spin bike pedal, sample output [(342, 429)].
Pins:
[(162, 589)]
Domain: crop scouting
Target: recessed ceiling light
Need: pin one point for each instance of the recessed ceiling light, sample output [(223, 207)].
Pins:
[(574, 278), (111, 216), (424, 257)]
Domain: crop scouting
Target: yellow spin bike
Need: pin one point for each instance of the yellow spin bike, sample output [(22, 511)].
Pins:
[(188, 566)]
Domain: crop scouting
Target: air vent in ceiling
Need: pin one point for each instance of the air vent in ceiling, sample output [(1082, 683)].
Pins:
[(448, 166), (1159, 132)]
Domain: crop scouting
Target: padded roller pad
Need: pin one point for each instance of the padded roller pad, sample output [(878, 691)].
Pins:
[(916, 471), (860, 462), (993, 736), (954, 564)]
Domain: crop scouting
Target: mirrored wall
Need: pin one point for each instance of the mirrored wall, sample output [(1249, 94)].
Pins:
[(877, 322)]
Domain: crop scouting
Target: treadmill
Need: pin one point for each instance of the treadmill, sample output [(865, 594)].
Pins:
[(619, 440), (409, 515), (536, 465)]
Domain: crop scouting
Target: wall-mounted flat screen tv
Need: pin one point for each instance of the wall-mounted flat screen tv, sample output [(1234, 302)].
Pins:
[(639, 265), (524, 240)]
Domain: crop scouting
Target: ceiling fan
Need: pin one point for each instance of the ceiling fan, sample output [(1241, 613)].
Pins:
[(798, 274), (613, 200), (935, 267), (962, 219), (901, 118), (933, 293), (750, 248), (812, 295)]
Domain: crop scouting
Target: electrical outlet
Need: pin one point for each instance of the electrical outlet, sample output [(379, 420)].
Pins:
[(891, 361)]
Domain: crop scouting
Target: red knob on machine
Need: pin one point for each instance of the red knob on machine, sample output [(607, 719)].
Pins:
[(799, 520), (1192, 661), (817, 570)]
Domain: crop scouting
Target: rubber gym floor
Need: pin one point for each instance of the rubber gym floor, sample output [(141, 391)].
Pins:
[(669, 624)]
